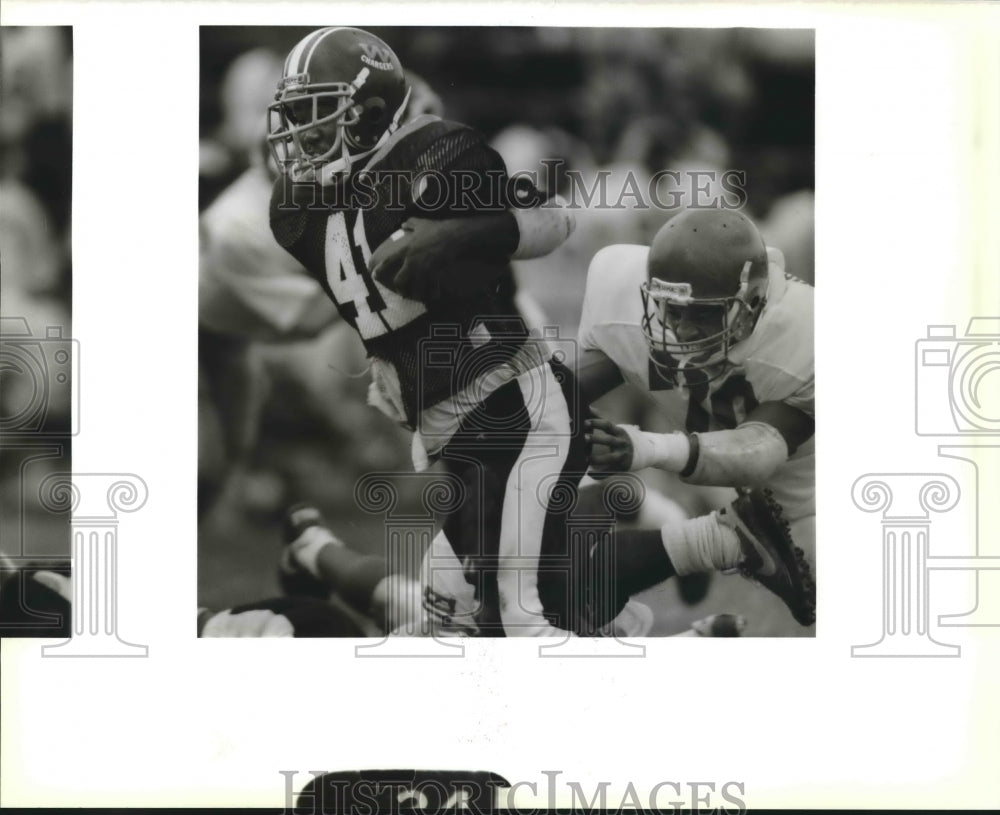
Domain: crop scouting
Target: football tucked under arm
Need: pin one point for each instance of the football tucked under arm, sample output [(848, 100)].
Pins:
[(427, 258)]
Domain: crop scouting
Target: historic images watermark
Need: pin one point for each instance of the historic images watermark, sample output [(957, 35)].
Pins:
[(957, 394), (39, 412), (432, 581), (430, 620), (424, 791), (94, 501), (429, 191), (40, 377)]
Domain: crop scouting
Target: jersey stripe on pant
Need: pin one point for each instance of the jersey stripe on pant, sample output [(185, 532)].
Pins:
[(520, 456)]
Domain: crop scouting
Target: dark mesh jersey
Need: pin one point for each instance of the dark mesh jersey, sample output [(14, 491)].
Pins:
[(333, 230)]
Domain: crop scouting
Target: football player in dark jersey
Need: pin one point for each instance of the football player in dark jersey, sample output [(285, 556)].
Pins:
[(450, 356), (252, 291)]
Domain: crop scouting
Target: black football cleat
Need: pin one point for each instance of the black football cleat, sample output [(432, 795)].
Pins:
[(770, 556)]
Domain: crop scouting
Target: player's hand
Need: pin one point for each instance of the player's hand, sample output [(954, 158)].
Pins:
[(429, 260), (610, 447), (411, 260)]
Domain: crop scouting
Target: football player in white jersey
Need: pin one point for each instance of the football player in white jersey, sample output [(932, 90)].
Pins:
[(709, 325)]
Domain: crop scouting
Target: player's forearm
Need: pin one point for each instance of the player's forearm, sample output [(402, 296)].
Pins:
[(519, 234), (745, 456), (488, 234)]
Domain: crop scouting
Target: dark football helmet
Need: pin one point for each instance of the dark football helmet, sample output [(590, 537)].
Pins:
[(342, 94), (706, 286)]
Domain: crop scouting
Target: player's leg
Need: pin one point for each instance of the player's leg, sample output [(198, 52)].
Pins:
[(459, 572), (396, 605), (749, 535), (549, 494), (315, 562), (519, 458), (656, 511), (448, 603)]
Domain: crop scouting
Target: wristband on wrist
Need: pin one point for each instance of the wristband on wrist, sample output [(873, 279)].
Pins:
[(692, 461), (665, 451)]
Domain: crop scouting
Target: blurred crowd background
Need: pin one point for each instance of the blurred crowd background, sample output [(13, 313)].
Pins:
[(36, 98), (630, 102), (36, 95)]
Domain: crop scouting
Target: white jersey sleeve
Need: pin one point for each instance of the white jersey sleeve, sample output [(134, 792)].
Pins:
[(778, 363), (612, 306), (779, 356)]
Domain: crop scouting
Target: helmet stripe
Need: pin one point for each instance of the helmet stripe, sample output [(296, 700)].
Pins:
[(312, 46), (294, 62), (295, 55)]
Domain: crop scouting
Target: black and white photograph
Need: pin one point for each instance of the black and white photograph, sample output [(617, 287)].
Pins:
[(464, 357), (506, 332), (37, 353)]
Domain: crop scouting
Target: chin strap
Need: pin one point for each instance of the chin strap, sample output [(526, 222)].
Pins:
[(333, 170)]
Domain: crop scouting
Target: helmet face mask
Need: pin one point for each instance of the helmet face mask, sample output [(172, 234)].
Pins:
[(336, 103), (685, 331), (318, 111)]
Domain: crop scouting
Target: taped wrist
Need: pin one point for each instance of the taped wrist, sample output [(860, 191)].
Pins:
[(541, 229), (666, 451), (743, 457)]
